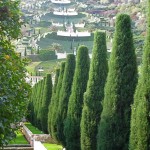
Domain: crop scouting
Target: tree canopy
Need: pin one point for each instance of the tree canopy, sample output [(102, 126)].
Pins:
[(14, 90)]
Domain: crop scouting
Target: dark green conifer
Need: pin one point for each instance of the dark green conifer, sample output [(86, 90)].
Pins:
[(25, 52), (45, 102), (72, 123), (140, 120), (94, 93), (119, 90), (64, 97), (56, 102), (41, 99), (52, 100)]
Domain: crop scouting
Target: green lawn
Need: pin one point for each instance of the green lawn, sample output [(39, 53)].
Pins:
[(33, 129), (66, 42), (20, 139), (48, 66), (52, 146), (32, 66)]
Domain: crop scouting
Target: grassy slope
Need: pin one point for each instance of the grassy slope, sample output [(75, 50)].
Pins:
[(20, 139), (33, 129), (52, 146), (31, 66), (48, 66)]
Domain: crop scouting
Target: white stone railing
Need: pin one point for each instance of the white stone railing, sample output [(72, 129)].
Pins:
[(80, 25), (61, 1), (73, 34), (57, 24), (63, 13)]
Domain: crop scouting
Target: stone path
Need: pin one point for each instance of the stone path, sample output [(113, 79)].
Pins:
[(39, 146)]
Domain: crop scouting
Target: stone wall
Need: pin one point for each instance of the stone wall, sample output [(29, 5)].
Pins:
[(44, 138), (28, 134)]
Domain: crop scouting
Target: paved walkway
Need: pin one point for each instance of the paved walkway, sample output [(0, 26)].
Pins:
[(39, 146)]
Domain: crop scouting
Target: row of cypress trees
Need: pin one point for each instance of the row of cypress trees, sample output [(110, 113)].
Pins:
[(90, 104), (39, 102)]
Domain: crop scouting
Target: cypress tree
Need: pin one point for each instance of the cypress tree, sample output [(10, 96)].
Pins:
[(94, 93), (41, 99), (72, 123), (45, 103), (56, 102), (41, 82), (25, 52), (119, 89), (39, 104), (64, 97), (34, 98), (52, 100), (140, 122)]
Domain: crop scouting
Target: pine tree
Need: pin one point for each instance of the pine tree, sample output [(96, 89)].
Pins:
[(56, 102), (72, 123), (140, 122), (45, 103), (119, 89), (94, 93), (64, 97)]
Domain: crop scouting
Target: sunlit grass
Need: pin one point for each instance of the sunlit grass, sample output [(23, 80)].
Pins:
[(52, 146), (48, 66), (33, 129), (31, 67), (20, 139)]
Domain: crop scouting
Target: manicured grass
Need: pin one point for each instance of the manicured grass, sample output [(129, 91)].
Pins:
[(33, 129), (52, 146), (20, 139), (66, 42), (32, 66), (61, 19), (48, 66)]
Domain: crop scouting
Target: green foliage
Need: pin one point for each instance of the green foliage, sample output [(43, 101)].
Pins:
[(38, 100), (20, 138), (39, 103), (140, 123), (14, 90), (10, 23), (47, 55), (56, 102), (120, 86), (64, 97), (94, 93), (50, 109), (72, 123), (45, 102)]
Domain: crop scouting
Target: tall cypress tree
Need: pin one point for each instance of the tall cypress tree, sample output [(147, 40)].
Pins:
[(64, 97), (45, 103), (94, 93), (119, 90), (140, 121), (39, 104), (56, 102), (41, 99), (52, 100), (40, 95), (72, 123)]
